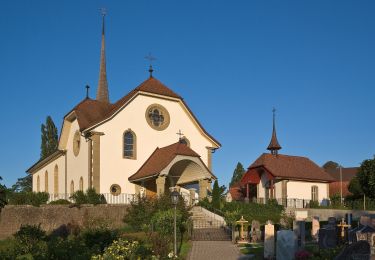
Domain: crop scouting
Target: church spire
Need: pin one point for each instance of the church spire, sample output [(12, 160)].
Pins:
[(274, 145), (102, 92)]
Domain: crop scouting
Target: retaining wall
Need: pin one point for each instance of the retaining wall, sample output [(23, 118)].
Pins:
[(53, 216), (324, 214)]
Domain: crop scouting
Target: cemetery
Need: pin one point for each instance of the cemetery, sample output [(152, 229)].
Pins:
[(307, 238)]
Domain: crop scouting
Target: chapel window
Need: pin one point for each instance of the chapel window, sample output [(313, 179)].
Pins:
[(81, 184), (314, 193), (46, 181), (184, 140), (72, 187), (157, 117), (115, 189), (38, 184), (129, 144), (56, 180)]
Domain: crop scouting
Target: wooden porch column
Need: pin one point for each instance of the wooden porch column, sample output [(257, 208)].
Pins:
[(247, 193)]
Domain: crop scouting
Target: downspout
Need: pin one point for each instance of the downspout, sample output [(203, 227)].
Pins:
[(66, 175)]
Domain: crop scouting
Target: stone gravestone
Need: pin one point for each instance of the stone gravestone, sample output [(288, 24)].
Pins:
[(315, 227), (364, 220), (327, 236), (269, 240), (372, 244), (299, 232), (285, 245), (357, 250), (255, 232)]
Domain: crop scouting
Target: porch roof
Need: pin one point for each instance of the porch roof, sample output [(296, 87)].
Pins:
[(160, 159)]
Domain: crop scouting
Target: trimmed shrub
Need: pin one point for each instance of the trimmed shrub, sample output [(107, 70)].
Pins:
[(60, 202), (28, 198), (88, 197)]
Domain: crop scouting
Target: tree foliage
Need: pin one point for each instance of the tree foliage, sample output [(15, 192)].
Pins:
[(237, 174), (3, 195), (217, 195), (366, 177), (49, 138), (330, 165), (24, 184), (355, 188)]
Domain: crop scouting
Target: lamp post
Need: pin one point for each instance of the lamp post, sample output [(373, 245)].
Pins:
[(340, 184), (175, 197)]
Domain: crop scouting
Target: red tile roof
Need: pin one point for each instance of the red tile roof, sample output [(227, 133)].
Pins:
[(160, 159), (291, 167), (91, 112), (347, 173)]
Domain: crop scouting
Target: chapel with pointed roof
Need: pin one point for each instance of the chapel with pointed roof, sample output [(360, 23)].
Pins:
[(147, 142), (293, 181)]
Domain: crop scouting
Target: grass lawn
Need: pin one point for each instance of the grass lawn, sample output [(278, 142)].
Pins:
[(255, 249), (184, 250)]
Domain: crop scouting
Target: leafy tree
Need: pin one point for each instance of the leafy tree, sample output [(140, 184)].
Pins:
[(217, 194), (3, 193), (355, 188), (237, 174), (49, 138), (24, 184), (366, 177), (330, 165)]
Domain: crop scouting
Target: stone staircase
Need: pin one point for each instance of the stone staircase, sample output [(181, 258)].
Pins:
[(208, 226)]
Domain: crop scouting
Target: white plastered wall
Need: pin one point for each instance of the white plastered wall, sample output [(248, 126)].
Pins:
[(302, 190), (50, 168), (77, 165), (114, 169)]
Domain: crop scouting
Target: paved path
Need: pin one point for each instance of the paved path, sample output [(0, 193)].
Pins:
[(206, 250)]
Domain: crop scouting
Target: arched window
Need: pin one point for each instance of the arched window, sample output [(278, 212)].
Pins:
[(72, 187), (314, 193), (81, 184), (37, 184), (46, 181), (130, 144), (56, 180)]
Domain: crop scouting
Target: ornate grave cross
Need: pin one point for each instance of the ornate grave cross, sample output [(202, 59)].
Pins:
[(343, 225), (242, 221)]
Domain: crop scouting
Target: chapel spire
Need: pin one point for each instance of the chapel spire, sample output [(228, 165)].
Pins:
[(274, 145), (102, 92)]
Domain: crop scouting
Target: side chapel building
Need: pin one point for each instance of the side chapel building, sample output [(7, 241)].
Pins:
[(129, 146), (291, 180)]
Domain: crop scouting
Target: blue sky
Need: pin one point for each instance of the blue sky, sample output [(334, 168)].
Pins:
[(232, 61)]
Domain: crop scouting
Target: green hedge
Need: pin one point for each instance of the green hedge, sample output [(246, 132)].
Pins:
[(28, 198), (252, 211)]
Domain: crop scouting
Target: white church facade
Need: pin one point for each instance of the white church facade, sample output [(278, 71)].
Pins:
[(129, 146)]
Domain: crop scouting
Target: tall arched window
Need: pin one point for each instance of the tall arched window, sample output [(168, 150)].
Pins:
[(46, 181), (56, 180), (81, 184), (314, 193), (37, 184), (72, 187), (130, 139)]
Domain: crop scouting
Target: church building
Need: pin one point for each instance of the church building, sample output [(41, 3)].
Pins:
[(293, 181), (145, 143)]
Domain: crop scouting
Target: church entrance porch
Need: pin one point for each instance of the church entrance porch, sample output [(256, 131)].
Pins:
[(174, 167)]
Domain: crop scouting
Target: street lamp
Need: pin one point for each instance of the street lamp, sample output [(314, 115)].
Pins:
[(175, 197)]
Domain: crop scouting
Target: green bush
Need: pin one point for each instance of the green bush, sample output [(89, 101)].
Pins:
[(60, 202), (252, 211), (123, 249), (31, 240), (28, 198), (88, 197), (98, 239)]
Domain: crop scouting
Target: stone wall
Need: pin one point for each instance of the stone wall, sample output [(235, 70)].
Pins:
[(53, 216), (324, 214)]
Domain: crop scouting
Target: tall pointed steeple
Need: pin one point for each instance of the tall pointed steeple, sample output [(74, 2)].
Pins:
[(274, 145), (102, 92)]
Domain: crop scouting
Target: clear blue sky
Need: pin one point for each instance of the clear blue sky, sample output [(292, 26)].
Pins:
[(232, 61)]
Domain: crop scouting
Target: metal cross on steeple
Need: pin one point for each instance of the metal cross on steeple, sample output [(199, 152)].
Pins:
[(150, 58), (180, 135)]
